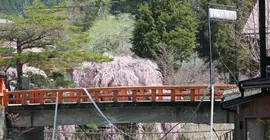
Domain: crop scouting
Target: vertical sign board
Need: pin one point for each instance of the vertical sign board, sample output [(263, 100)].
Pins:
[(222, 14)]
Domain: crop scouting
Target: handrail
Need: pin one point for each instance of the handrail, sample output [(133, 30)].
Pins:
[(220, 86), (171, 93)]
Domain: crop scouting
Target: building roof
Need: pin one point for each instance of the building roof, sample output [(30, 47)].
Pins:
[(252, 24), (240, 100)]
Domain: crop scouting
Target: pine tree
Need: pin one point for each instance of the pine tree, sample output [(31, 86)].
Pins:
[(43, 39)]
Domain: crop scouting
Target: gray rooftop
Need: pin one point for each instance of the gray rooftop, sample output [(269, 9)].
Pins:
[(252, 24)]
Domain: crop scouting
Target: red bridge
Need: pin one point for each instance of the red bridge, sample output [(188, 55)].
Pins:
[(166, 93), (149, 104)]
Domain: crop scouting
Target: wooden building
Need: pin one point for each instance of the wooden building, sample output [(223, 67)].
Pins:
[(252, 116), (252, 107)]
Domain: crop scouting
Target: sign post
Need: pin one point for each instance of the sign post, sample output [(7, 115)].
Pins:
[(219, 15)]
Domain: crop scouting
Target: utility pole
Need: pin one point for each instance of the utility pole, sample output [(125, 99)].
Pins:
[(211, 74)]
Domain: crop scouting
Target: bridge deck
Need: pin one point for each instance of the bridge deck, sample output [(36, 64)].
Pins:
[(120, 112), (133, 94)]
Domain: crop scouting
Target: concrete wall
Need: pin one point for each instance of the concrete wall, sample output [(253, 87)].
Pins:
[(121, 113)]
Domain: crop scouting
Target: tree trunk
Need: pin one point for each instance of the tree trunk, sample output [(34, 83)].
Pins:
[(19, 67), (166, 71)]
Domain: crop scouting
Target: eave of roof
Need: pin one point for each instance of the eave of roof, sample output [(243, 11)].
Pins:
[(240, 100)]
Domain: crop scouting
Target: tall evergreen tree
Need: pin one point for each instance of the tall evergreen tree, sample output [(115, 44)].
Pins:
[(165, 31), (165, 21)]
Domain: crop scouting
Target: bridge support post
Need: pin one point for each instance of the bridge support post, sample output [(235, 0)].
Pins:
[(2, 123)]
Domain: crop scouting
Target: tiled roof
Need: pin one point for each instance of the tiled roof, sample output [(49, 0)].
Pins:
[(252, 24)]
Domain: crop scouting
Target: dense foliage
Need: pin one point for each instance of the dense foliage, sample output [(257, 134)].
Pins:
[(165, 21), (42, 37), (85, 12), (111, 35), (226, 36)]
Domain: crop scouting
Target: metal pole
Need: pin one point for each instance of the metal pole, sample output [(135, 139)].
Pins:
[(212, 112), (262, 38), (210, 48), (55, 116), (211, 75), (236, 71)]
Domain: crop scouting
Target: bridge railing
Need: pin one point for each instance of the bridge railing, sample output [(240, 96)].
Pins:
[(113, 94)]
